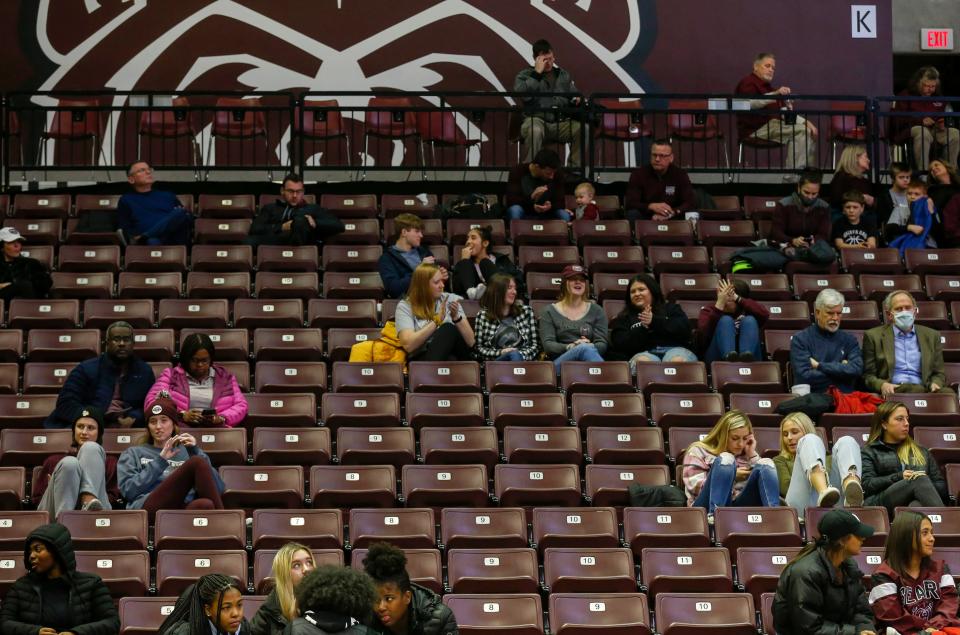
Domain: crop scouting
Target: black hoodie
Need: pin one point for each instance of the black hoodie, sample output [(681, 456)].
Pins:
[(89, 601), (326, 623)]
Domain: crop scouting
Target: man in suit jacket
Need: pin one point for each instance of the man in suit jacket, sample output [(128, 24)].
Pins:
[(901, 356)]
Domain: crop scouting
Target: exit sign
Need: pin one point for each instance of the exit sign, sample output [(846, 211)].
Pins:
[(936, 39)]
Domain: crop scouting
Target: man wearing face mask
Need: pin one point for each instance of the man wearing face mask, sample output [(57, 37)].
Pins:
[(822, 355), (901, 356)]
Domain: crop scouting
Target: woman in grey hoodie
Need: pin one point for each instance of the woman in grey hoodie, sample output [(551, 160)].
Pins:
[(167, 470)]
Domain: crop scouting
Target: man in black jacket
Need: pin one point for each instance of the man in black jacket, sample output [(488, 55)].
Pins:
[(20, 277), (54, 597), (291, 220)]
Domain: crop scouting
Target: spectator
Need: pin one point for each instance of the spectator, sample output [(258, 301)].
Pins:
[(573, 329), (897, 472), (547, 117), (901, 356), (402, 607), (167, 469), (20, 276), (650, 329), (821, 591), (912, 592), (334, 600), (807, 476), (214, 604), (53, 597), (822, 355), (659, 190), (506, 328), (430, 323), (802, 217), (893, 206), (586, 207), (84, 475), (536, 189), (116, 383), (725, 470), (923, 130), (290, 220), (291, 564), (943, 184), (477, 264), (796, 133), (731, 327), (206, 393), (915, 233), (151, 217), (400, 259), (852, 231), (852, 175)]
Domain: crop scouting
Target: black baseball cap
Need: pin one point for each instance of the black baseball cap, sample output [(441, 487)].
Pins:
[(837, 523)]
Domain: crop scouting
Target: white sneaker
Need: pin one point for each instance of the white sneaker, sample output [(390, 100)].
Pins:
[(828, 497), (853, 493), (472, 293), (480, 288), (92, 505)]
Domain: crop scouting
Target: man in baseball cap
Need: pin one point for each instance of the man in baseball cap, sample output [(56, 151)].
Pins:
[(20, 276)]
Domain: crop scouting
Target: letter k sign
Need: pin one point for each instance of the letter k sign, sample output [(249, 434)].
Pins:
[(863, 21)]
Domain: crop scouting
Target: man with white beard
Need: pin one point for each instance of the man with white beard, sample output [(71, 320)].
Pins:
[(822, 355)]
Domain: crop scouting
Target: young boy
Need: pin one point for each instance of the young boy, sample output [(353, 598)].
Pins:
[(916, 230), (853, 231), (893, 208), (586, 207)]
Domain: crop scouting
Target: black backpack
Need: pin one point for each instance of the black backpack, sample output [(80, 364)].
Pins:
[(471, 206)]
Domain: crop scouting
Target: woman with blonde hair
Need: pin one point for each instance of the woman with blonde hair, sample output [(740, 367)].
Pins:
[(292, 562), (896, 471), (431, 324), (724, 469), (852, 174), (807, 476)]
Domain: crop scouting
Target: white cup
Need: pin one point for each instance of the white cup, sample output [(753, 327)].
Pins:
[(800, 389)]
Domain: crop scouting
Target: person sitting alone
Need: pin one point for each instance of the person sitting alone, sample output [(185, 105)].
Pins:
[(152, 217), (20, 276), (731, 327), (290, 220)]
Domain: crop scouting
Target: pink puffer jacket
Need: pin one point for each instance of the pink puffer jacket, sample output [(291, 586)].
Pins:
[(228, 401)]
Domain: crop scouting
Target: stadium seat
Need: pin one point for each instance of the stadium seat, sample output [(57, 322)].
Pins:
[(152, 285), (445, 485), (81, 285), (263, 581), (725, 232), (443, 409), (678, 259), (37, 231), (543, 286), (221, 231), (599, 613), (876, 517), (757, 527), (933, 314), (407, 528), (281, 410), (367, 377), (607, 409), (49, 345), (154, 259), (22, 411), (589, 570), (12, 491), (686, 570), (674, 377), (232, 344), (943, 443), (339, 341), (575, 527), (759, 568), (699, 613), (113, 529), (459, 445), (607, 485), (41, 253), (877, 286), (359, 285), (222, 284), (357, 231), (41, 205), (346, 486), (614, 259), (625, 446), (932, 261), (12, 567), (10, 376), (505, 614), (665, 527), (884, 260), (759, 406), (179, 568), (444, 376), (224, 446), (689, 286), (933, 409), (945, 288), (350, 205), (483, 528), (945, 520), (602, 232), (351, 257), (288, 345), (652, 232), (124, 572), (216, 206), (766, 613), (493, 570), (315, 528), (685, 409), (274, 313), (422, 205), (291, 377), (31, 447), (287, 258), (199, 529), (534, 408), (394, 446), (178, 314), (602, 377), (788, 315), (99, 314), (11, 343), (144, 615), (758, 207), (304, 446), (253, 486), (539, 232), (43, 314), (729, 377), (610, 286), (542, 444), (547, 258), (767, 287), (806, 286), (231, 257)]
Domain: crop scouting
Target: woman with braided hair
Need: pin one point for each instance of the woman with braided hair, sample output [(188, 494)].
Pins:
[(214, 605), (404, 608)]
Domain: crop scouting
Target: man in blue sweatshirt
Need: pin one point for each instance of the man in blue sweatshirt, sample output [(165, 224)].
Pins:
[(822, 355), (152, 217)]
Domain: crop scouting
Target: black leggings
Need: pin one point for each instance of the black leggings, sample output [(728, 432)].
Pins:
[(445, 345)]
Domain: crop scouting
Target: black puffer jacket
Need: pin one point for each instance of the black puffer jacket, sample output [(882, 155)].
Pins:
[(90, 604), (326, 623), (268, 619), (881, 469), (428, 615), (670, 327), (809, 601), (28, 278)]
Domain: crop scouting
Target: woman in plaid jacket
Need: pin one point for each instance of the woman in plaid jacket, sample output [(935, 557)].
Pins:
[(506, 328)]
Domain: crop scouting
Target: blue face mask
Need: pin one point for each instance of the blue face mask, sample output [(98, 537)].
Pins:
[(904, 319)]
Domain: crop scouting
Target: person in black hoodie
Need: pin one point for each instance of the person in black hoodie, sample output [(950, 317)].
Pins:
[(213, 605), (20, 277), (649, 329), (54, 597), (333, 600), (290, 220), (404, 608)]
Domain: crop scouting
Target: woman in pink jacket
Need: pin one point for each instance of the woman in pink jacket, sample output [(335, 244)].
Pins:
[(206, 394)]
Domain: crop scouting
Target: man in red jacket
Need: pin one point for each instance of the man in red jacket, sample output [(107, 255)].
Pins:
[(799, 136)]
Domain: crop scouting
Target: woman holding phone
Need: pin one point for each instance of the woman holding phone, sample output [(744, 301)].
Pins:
[(431, 324), (206, 393), (167, 469), (724, 469)]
